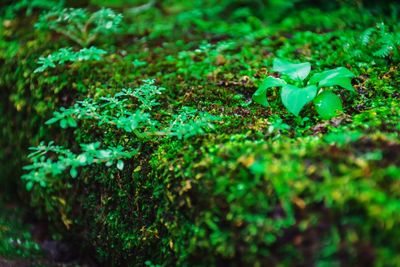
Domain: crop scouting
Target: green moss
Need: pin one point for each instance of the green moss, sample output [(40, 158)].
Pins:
[(16, 241), (265, 188)]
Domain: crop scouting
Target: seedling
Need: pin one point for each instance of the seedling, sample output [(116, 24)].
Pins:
[(80, 26), (318, 89)]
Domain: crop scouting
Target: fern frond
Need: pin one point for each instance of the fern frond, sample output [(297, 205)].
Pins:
[(358, 53), (382, 28), (386, 39), (384, 51), (366, 36)]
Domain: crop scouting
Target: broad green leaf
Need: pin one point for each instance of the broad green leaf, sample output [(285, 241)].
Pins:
[(51, 121), (339, 76), (294, 98), (71, 122), (64, 123), (296, 71), (328, 105), (260, 96)]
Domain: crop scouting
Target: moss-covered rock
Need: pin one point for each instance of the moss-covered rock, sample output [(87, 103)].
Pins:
[(263, 188)]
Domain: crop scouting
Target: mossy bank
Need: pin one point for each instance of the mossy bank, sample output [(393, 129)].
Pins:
[(203, 176)]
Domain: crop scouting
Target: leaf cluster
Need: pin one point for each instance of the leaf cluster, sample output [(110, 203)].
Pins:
[(80, 26), (381, 41), (51, 160), (64, 55), (316, 90), (126, 113)]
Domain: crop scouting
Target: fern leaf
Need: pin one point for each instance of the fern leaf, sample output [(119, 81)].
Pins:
[(366, 36), (358, 53), (384, 51)]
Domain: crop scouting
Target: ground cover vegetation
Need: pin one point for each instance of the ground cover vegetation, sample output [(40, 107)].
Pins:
[(199, 133)]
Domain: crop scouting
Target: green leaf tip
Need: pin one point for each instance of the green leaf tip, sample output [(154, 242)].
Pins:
[(296, 71), (340, 77)]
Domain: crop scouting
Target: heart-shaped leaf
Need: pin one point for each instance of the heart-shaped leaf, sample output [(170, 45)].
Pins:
[(328, 105), (260, 96), (296, 71), (294, 98), (339, 76)]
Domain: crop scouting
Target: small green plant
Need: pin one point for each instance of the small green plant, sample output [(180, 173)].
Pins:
[(64, 55), (30, 5), (381, 41), (277, 126), (317, 89), (126, 113), (45, 164), (79, 25)]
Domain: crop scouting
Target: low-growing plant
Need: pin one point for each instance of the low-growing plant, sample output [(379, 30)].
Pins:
[(44, 165), (79, 25), (318, 89), (64, 55), (381, 41), (277, 126), (127, 114), (30, 5)]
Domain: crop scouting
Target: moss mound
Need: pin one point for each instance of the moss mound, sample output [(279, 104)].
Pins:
[(261, 187)]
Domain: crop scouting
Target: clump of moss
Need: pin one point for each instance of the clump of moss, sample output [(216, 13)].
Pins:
[(266, 188)]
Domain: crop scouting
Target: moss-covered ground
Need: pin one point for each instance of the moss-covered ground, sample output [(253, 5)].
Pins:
[(262, 188)]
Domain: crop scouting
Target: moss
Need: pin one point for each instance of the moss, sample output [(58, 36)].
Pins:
[(16, 241), (245, 202), (265, 188)]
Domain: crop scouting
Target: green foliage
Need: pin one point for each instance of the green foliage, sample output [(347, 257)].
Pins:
[(30, 5), (328, 104), (16, 240), (336, 77), (262, 189), (380, 41), (260, 96), (64, 55), (189, 122), (294, 71), (295, 98), (297, 183), (119, 111), (79, 25), (44, 166), (146, 94), (8, 48), (111, 113), (343, 138)]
